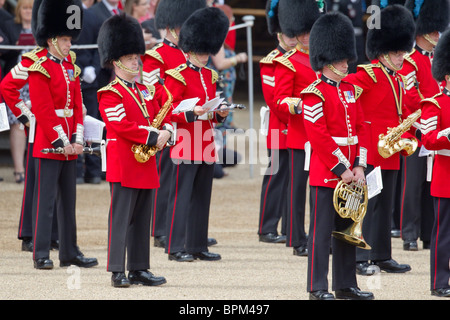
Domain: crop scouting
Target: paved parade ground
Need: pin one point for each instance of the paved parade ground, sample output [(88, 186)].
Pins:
[(249, 269)]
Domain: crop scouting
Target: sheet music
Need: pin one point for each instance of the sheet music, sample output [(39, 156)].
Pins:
[(374, 182), (4, 124), (93, 129), (186, 105), (212, 104)]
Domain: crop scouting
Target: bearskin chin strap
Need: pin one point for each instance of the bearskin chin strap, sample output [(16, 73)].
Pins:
[(336, 71), (390, 63), (56, 46), (428, 38), (173, 33), (121, 66)]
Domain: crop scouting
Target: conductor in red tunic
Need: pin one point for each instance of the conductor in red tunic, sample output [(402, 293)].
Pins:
[(128, 109), (334, 124), (436, 118), (58, 107)]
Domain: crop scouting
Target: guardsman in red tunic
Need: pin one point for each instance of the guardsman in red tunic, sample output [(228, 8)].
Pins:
[(55, 95), (334, 124), (416, 214), (276, 178), (128, 109), (10, 88), (194, 153), (383, 103), (169, 16), (435, 122), (293, 73)]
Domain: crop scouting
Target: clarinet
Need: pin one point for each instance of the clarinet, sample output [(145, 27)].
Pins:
[(86, 150)]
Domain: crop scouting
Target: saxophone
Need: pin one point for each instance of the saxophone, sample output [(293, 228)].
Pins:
[(392, 141), (142, 152)]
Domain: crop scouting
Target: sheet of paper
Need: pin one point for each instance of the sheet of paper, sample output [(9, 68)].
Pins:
[(4, 124), (186, 105), (212, 104), (374, 182), (93, 129)]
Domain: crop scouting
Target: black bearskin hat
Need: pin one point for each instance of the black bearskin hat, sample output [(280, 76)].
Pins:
[(384, 3), (173, 13), (429, 15), (441, 60), (297, 17), (54, 18), (395, 32), (273, 25), (204, 31), (332, 39), (120, 35)]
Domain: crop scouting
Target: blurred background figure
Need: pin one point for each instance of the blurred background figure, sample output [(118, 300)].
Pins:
[(140, 10)]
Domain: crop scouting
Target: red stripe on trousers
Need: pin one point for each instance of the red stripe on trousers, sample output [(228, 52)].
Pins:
[(435, 247), (37, 208), (265, 194), (110, 224), (314, 237), (174, 207)]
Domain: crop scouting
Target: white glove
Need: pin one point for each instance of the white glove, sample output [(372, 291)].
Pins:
[(89, 74)]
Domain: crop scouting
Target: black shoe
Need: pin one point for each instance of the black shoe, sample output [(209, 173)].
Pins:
[(410, 245), (80, 261), (354, 294), (119, 280), (80, 180), (392, 266), (365, 269), (320, 295), (209, 256), (272, 238), (181, 257), (43, 264), (211, 242), (443, 292), (395, 233), (54, 245), (145, 278), (301, 251), (94, 180), (27, 245), (159, 241)]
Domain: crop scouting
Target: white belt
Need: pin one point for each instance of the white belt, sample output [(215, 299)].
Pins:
[(64, 113), (443, 152), (346, 141)]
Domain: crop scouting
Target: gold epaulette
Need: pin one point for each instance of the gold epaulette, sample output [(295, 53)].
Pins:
[(154, 54), (151, 89), (269, 58), (176, 73), (312, 89), (358, 91), (109, 87), (411, 60), (77, 71), (214, 75), (32, 55), (284, 59), (73, 57), (369, 70), (37, 66), (432, 100)]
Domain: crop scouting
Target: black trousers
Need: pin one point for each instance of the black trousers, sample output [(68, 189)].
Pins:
[(25, 229), (53, 178), (129, 228), (440, 244), (161, 195), (274, 190), (298, 180), (188, 209), (417, 212), (324, 220), (377, 223)]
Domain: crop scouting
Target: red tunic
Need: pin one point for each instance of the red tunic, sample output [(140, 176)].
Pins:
[(293, 73), (383, 105), (278, 120), (127, 126), (15, 80), (195, 138), (435, 122), (157, 61), (334, 123), (55, 95)]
